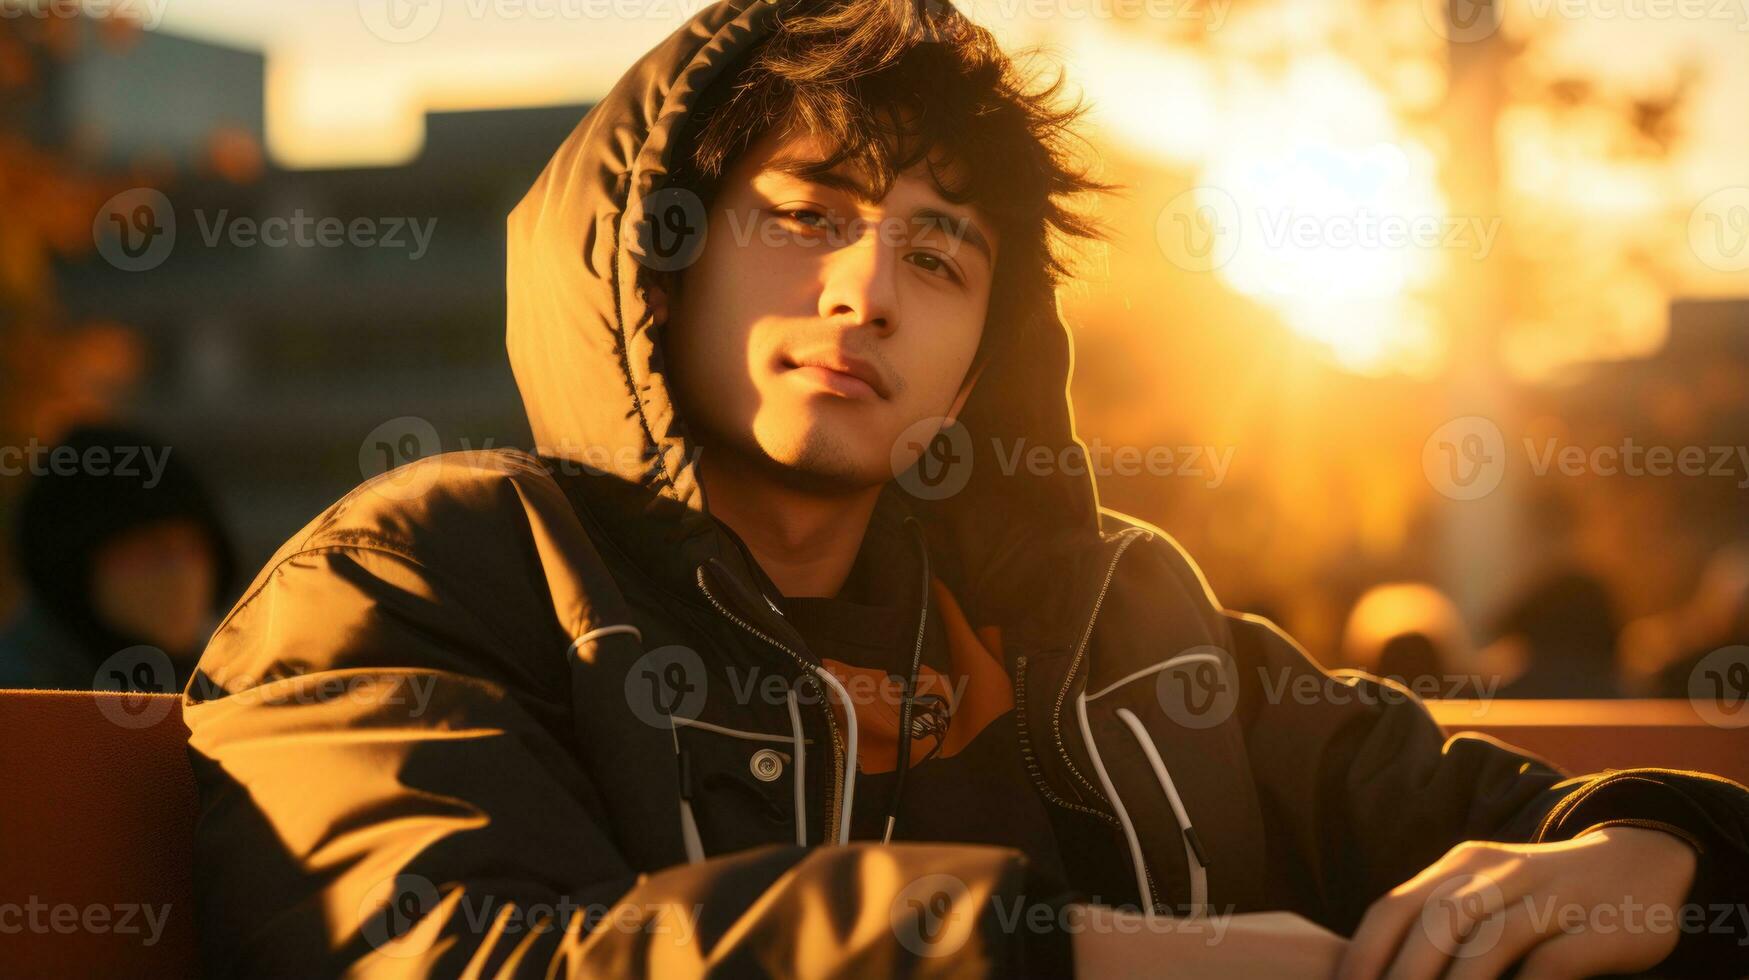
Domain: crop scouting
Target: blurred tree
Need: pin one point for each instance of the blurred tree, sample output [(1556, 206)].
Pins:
[(53, 372)]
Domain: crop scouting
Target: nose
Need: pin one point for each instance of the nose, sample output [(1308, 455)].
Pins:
[(858, 282)]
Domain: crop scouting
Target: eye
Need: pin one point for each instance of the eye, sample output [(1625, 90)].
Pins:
[(807, 217), (931, 262)]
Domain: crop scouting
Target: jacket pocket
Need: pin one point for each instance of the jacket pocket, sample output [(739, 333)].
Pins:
[(746, 788)]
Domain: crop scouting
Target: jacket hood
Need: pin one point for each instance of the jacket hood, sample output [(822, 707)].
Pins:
[(587, 358), (67, 515)]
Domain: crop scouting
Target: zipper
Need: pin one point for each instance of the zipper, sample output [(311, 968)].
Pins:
[(1128, 538), (1038, 779), (1026, 747), (1026, 752), (807, 670)]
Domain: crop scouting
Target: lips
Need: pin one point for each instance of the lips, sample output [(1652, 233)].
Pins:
[(841, 373)]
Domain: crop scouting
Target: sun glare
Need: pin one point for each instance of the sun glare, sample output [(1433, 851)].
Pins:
[(1316, 201)]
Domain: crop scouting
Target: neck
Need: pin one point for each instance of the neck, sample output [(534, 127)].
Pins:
[(804, 540)]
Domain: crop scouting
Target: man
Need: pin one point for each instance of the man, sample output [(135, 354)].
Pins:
[(703, 687)]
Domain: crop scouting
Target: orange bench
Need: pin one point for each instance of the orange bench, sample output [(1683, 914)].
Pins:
[(98, 805), (1590, 736), (97, 815)]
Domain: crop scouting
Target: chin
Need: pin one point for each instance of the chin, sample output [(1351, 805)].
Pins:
[(829, 456)]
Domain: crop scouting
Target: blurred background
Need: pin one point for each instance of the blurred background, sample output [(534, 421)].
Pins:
[(1440, 310)]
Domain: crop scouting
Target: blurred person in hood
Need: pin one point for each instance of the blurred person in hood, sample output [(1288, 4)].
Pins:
[(800, 644), (1563, 631), (121, 548)]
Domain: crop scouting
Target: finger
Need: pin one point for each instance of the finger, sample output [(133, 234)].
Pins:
[(1585, 941), (1564, 955), (1381, 930), (1388, 920), (1495, 945), (1463, 906)]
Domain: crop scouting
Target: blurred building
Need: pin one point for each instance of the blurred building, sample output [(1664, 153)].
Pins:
[(131, 96), (272, 364)]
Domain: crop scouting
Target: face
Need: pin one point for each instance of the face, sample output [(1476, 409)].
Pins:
[(156, 582), (818, 326)]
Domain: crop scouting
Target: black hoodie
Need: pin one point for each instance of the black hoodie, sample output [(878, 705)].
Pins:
[(488, 689)]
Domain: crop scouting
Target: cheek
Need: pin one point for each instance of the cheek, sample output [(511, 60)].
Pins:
[(712, 319), (940, 353)]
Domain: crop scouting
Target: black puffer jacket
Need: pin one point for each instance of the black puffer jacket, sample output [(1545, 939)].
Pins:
[(438, 721)]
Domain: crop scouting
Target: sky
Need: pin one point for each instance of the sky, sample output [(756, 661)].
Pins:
[(1287, 116)]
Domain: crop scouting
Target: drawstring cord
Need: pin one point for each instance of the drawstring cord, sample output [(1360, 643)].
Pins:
[(1195, 858), (688, 821), (688, 824), (800, 777), (908, 702)]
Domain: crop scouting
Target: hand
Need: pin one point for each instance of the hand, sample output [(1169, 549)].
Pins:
[(1114, 943), (1604, 902)]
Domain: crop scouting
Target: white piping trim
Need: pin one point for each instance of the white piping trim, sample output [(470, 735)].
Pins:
[(599, 632), (800, 776), (1129, 829), (732, 732), (688, 823), (1199, 876), (1182, 658), (849, 778), (689, 833)]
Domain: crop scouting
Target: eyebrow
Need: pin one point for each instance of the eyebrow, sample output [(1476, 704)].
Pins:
[(809, 171)]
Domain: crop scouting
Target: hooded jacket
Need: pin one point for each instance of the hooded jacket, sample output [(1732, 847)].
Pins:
[(501, 713)]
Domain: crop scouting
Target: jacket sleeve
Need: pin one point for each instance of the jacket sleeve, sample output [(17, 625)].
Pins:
[(1363, 790), (386, 790)]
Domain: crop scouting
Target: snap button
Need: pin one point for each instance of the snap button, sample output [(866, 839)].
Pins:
[(767, 765)]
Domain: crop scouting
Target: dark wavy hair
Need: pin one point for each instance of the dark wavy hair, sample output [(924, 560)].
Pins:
[(895, 83)]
